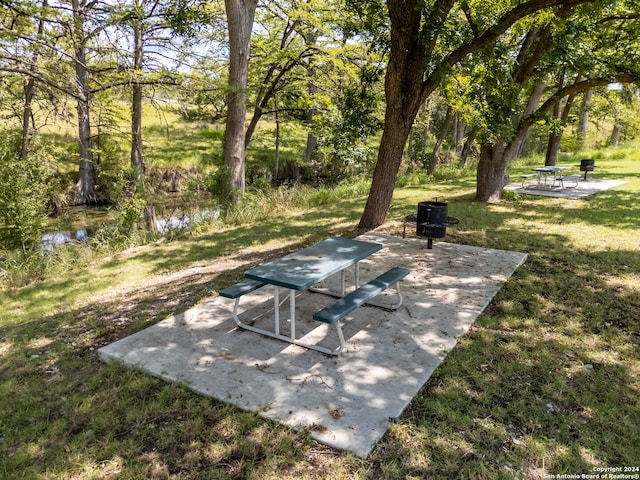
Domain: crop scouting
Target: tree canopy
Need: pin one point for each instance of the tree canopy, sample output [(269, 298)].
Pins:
[(343, 70)]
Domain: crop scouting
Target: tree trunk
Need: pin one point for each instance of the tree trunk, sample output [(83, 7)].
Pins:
[(459, 134), (615, 135), (85, 191), (137, 160), (405, 93), (29, 92), (240, 16), (394, 137), (468, 145), (277, 146), (532, 104), (446, 126), (312, 140), (583, 122), (491, 176), (27, 114), (553, 147)]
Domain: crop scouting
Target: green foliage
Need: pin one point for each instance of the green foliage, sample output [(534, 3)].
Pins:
[(114, 175), (421, 177), (24, 193), (125, 227), (217, 181), (344, 133)]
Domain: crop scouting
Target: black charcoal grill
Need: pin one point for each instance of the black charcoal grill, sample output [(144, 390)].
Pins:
[(431, 221), (587, 165)]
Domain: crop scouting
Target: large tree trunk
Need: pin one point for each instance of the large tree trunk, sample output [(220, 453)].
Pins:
[(137, 160), (85, 190), (405, 93), (492, 172), (394, 137), (240, 16)]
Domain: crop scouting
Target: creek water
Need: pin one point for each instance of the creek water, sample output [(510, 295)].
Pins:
[(51, 240)]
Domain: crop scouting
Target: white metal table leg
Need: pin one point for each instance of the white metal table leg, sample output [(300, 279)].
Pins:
[(276, 308), (292, 310)]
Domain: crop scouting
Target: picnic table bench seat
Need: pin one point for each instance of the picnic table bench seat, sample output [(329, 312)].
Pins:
[(526, 177), (241, 288), (235, 292), (574, 178), (347, 304)]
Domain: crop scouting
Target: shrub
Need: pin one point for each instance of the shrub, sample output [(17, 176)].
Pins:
[(24, 194)]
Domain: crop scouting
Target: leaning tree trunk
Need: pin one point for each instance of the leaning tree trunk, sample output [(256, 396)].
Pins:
[(532, 105), (137, 160), (394, 138), (405, 73), (615, 135), (468, 145), (240, 15)]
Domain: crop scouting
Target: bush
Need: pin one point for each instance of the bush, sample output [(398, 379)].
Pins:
[(24, 194)]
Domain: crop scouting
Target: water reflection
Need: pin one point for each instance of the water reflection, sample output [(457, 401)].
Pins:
[(50, 241), (179, 222)]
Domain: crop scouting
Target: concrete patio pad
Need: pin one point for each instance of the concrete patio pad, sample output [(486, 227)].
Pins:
[(583, 189), (345, 402)]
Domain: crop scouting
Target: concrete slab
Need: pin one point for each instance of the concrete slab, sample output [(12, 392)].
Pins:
[(345, 402), (583, 189)]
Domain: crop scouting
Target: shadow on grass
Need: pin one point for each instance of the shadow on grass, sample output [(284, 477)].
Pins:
[(67, 414), (546, 382)]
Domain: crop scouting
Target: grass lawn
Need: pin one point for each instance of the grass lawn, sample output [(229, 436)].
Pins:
[(547, 382)]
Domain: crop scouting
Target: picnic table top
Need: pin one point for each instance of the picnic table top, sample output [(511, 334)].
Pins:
[(303, 269), (551, 168)]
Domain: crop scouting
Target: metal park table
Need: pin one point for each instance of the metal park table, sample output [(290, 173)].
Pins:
[(303, 270), (549, 177), (552, 171)]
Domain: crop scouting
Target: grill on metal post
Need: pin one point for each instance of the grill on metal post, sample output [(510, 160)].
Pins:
[(587, 165), (431, 221)]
